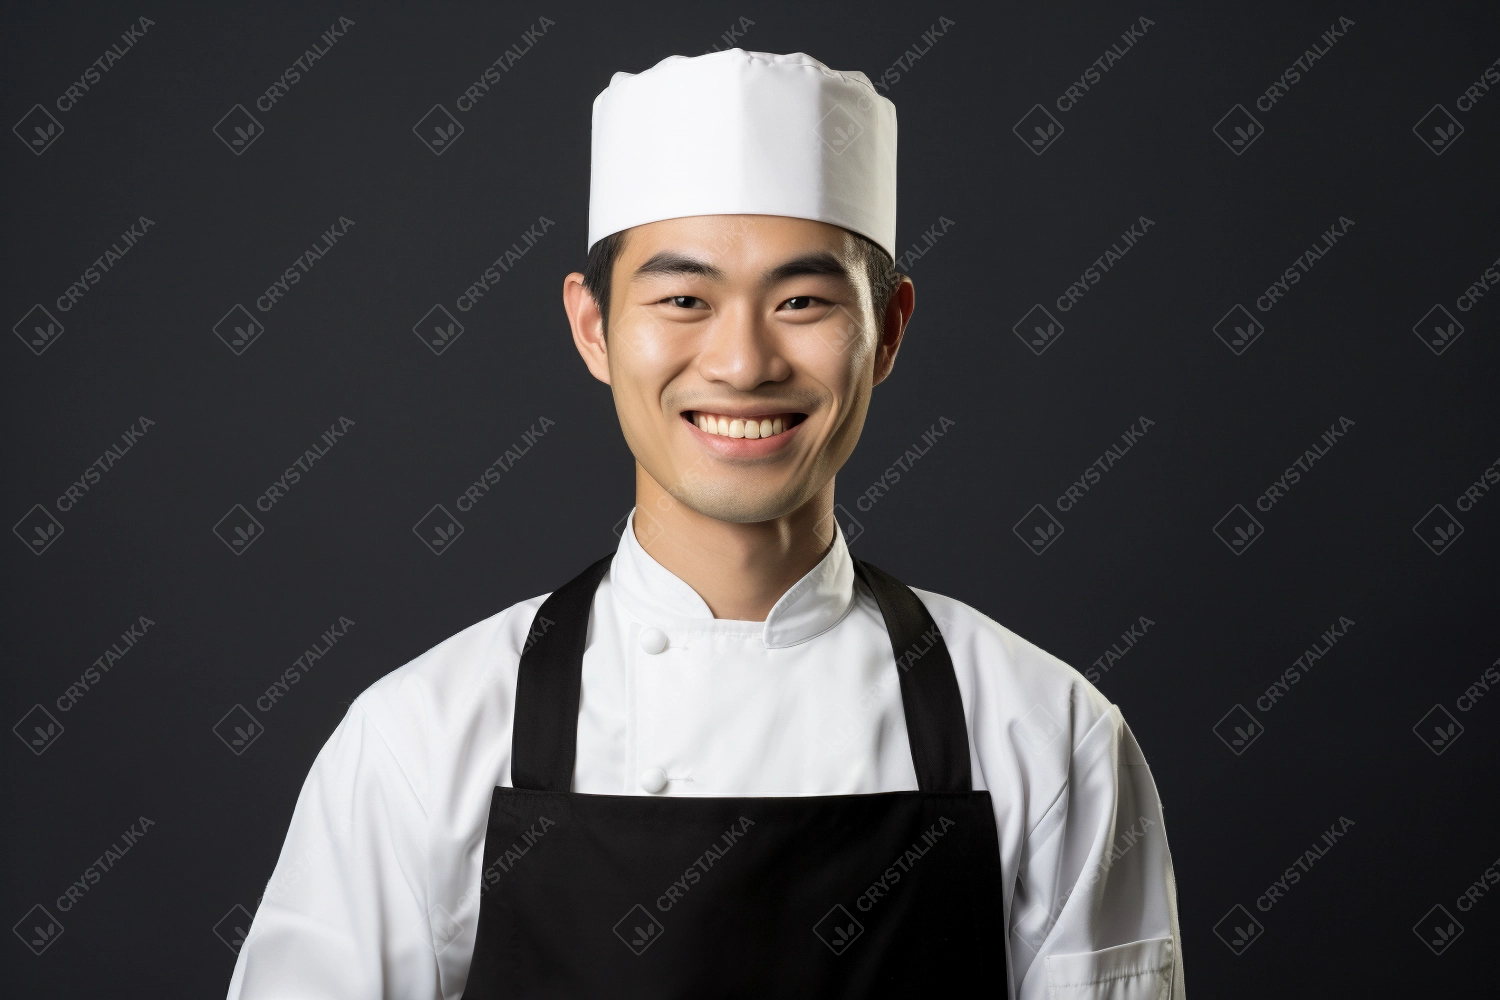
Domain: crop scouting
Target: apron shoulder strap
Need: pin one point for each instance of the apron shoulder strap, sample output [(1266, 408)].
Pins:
[(544, 736), (934, 708)]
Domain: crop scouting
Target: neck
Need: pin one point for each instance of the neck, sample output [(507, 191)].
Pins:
[(740, 570)]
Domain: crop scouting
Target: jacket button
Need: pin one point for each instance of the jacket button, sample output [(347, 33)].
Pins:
[(653, 640), (653, 779)]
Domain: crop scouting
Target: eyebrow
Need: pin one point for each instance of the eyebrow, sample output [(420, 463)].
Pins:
[(820, 262), (669, 263)]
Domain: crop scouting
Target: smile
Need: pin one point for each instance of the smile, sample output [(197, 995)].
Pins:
[(752, 427)]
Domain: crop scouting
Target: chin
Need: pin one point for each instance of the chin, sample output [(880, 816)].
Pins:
[(742, 506)]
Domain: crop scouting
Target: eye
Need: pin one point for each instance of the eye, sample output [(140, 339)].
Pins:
[(685, 301), (800, 302)]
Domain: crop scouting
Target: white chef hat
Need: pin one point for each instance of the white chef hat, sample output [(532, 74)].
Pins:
[(744, 133)]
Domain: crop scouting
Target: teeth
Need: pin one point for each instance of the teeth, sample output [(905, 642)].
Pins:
[(739, 427)]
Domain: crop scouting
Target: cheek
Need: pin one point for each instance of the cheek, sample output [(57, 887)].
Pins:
[(836, 365), (647, 346), (643, 360)]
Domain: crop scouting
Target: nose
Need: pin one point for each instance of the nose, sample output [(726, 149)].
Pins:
[(740, 350)]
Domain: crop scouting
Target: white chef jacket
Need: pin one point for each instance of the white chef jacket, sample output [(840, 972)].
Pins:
[(376, 892)]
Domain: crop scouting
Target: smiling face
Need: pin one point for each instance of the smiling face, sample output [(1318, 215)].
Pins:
[(741, 351)]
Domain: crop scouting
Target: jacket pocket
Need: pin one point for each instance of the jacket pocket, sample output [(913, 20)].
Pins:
[(1141, 970)]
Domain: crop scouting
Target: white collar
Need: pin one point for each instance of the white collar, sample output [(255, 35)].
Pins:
[(653, 593)]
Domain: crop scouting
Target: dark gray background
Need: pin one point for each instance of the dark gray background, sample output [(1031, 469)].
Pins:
[(142, 741)]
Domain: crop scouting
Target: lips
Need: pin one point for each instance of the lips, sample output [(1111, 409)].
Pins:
[(750, 426)]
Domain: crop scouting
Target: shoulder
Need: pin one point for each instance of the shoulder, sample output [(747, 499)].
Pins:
[(1035, 723), (1034, 720), (456, 668), (996, 657), (460, 691)]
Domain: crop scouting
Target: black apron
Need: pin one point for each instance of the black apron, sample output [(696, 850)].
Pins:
[(799, 896)]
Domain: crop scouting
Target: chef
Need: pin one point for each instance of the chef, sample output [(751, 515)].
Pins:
[(729, 758)]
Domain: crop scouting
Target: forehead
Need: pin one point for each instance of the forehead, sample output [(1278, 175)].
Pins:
[(737, 240)]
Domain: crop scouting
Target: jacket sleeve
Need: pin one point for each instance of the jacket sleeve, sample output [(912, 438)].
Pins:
[(345, 912), (1094, 914)]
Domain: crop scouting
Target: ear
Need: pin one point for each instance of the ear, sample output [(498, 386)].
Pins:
[(897, 314), (588, 326)]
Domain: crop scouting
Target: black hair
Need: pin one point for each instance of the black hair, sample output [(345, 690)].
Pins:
[(879, 267)]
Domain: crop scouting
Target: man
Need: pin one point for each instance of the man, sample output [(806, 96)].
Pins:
[(730, 759)]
